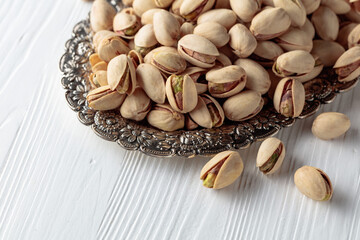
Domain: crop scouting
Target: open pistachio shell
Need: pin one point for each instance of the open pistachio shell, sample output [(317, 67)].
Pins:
[(308, 28), (225, 17), (145, 39), (149, 56), (294, 63), (100, 66), (100, 35), (295, 9), (326, 23), (103, 98), (102, 15), (198, 76), (295, 39), (94, 59), (166, 28), (192, 9), (242, 41), (148, 16), (313, 74), (311, 5), (168, 62), (266, 52), (354, 37), (99, 79), (245, 9), (270, 155), (162, 116), (175, 7), (338, 6), (214, 32), (186, 28), (344, 33), (126, 24), (111, 47), (163, 3), (327, 51), (141, 6), (348, 65), (330, 125), (136, 106), (136, 58)]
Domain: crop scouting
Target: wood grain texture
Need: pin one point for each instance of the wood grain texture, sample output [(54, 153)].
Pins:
[(58, 180)]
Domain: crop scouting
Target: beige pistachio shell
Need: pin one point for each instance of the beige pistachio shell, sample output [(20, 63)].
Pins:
[(100, 66), (101, 16), (242, 41), (163, 3), (354, 37), (270, 23), (198, 76), (344, 33), (126, 23), (257, 77), (94, 59), (311, 75), (214, 32), (145, 39), (295, 62), (166, 28), (111, 47), (311, 5), (100, 35), (243, 105), (136, 106), (308, 28), (162, 116), (208, 113), (353, 16), (99, 79), (348, 65), (192, 9), (327, 51), (149, 56), (221, 4), (229, 171), (295, 9), (330, 125), (103, 99), (266, 52), (151, 81), (245, 9), (136, 58), (313, 183), (141, 6), (225, 17), (168, 62), (186, 28), (148, 16), (270, 155), (326, 23), (338, 6), (175, 7), (295, 39), (289, 97), (222, 61)]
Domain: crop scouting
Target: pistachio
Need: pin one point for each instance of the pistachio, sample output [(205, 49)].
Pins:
[(242, 41), (189, 123), (294, 64), (338, 6), (136, 58), (99, 36), (289, 97), (148, 58), (163, 3), (126, 23), (148, 16), (162, 116), (311, 5), (98, 79), (326, 23), (354, 37), (111, 47), (166, 28), (136, 106), (313, 183), (270, 155), (313, 74), (198, 50), (257, 77), (141, 6), (192, 9), (245, 9), (102, 15), (222, 61), (348, 65), (225, 17), (181, 93), (186, 28), (175, 7), (243, 105), (295, 39), (121, 75), (327, 51), (344, 33), (151, 80), (330, 125), (103, 98), (168, 62), (226, 82), (208, 112), (221, 4), (270, 23), (145, 40), (198, 76), (222, 170), (214, 32), (266, 52), (353, 16), (94, 59), (308, 28), (295, 9), (100, 66)]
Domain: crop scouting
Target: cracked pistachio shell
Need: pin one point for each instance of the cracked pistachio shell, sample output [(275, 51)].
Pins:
[(295, 9), (311, 75), (145, 39), (226, 82), (327, 51), (141, 6), (257, 77), (198, 76), (151, 81), (225, 17), (353, 16), (168, 62), (163, 3), (354, 37), (266, 52), (270, 23), (313, 183), (326, 23), (289, 97), (111, 47), (308, 28), (245, 9), (311, 5), (295, 39), (103, 99), (221, 4), (102, 15), (149, 56), (338, 6), (231, 168), (243, 105), (186, 28), (242, 41), (99, 79), (100, 35), (121, 75), (198, 50), (175, 7), (292, 63), (348, 65), (214, 32), (162, 116), (330, 125), (136, 58), (192, 9), (136, 106), (344, 33), (181, 93), (208, 113), (270, 155), (126, 23), (166, 28)]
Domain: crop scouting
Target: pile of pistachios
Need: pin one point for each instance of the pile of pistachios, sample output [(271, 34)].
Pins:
[(184, 64)]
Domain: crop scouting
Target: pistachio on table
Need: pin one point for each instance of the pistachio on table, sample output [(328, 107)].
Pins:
[(245, 9), (111, 47), (166, 28), (222, 170), (295, 39), (328, 51), (326, 23), (198, 76), (192, 9), (295, 9), (348, 65), (354, 37), (313, 183), (162, 116), (103, 98), (214, 32), (266, 53), (136, 106), (126, 23), (294, 64), (102, 15), (330, 125), (242, 41), (270, 155), (225, 17)]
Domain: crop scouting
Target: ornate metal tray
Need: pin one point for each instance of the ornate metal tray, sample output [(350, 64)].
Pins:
[(139, 136)]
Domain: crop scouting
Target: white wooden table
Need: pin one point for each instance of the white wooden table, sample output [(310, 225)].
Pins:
[(58, 180)]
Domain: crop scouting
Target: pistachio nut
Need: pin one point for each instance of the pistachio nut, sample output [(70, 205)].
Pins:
[(274, 82), (266, 52), (293, 64), (100, 35), (344, 33), (148, 57), (136, 106), (198, 76), (136, 58), (313, 183), (94, 59), (145, 39), (148, 16), (330, 125), (111, 47), (168, 62), (121, 75), (192, 9), (175, 7), (295, 39), (270, 23), (311, 5), (257, 77), (222, 170), (126, 23), (102, 15), (103, 98), (100, 66), (308, 28), (319, 66), (348, 65), (326, 23), (181, 93), (166, 28), (222, 61), (354, 37), (270, 155), (186, 28), (225, 17), (226, 82), (245, 9), (208, 112), (338, 6), (295, 9), (353, 16), (189, 123), (243, 105), (98, 79), (221, 4), (214, 32), (289, 97), (163, 3), (141, 6), (327, 51), (162, 116), (151, 81), (242, 40), (198, 50)]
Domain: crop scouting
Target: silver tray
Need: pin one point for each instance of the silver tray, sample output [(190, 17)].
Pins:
[(139, 136)]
